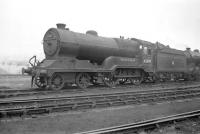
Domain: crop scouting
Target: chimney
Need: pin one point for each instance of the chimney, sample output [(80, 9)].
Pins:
[(61, 26), (188, 49)]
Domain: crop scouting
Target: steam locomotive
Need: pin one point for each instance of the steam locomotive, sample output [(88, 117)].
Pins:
[(88, 59)]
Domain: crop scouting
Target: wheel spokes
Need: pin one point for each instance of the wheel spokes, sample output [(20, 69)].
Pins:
[(40, 82), (57, 82), (82, 80)]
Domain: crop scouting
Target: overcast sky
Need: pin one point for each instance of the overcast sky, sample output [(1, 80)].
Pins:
[(24, 22)]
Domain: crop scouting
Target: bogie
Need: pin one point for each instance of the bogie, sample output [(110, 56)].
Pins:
[(40, 81)]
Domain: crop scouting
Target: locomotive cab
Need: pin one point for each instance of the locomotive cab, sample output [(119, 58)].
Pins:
[(147, 54)]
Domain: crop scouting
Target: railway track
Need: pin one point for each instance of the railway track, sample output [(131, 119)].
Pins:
[(144, 125), (34, 91), (10, 108), (5, 93)]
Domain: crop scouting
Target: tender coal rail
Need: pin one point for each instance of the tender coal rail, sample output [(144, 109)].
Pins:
[(144, 125), (59, 104)]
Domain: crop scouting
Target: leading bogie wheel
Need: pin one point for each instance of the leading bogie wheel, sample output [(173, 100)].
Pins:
[(40, 82), (57, 81), (136, 81), (82, 80)]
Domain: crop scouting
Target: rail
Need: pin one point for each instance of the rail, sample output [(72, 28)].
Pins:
[(143, 124), (55, 104)]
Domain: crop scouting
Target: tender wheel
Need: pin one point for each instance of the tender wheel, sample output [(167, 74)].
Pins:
[(136, 81), (40, 82), (94, 82), (82, 80), (109, 80), (57, 82), (123, 81)]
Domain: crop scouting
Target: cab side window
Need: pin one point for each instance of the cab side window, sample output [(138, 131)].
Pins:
[(147, 51)]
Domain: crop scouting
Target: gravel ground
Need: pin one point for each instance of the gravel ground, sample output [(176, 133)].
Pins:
[(67, 123), (10, 82)]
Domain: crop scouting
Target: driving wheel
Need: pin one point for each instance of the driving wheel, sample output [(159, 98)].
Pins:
[(57, 81), (82, 80)]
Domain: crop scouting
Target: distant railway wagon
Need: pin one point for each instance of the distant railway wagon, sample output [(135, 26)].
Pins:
[(86, 59)]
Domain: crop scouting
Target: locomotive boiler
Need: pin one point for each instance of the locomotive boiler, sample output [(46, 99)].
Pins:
[(61, 42), (73, 58)]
